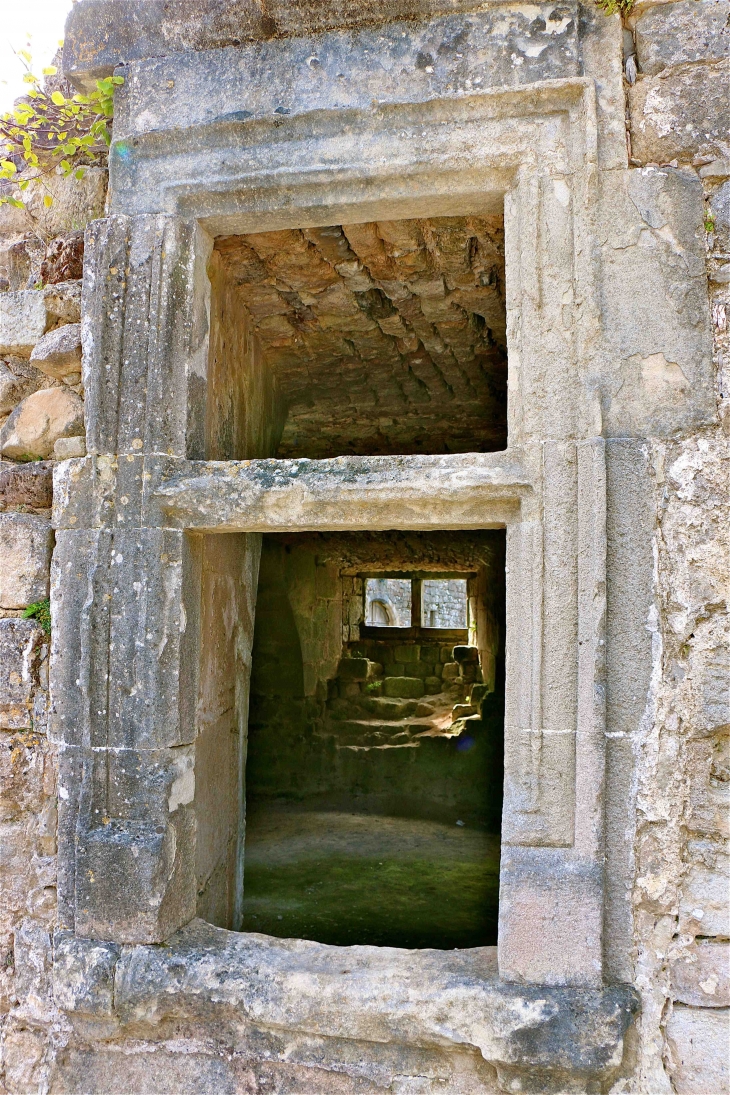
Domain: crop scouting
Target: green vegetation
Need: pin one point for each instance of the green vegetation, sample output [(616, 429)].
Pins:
[(610, 7), (52, 131), (40, 611)]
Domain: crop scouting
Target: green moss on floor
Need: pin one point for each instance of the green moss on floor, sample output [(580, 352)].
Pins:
[(364, 879)]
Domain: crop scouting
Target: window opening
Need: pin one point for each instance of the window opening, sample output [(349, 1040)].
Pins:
[(388, 602), (375, 760), (444, 603), (380, 338)]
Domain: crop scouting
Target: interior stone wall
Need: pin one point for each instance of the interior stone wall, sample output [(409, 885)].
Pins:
[(675, 851), (383, 337)]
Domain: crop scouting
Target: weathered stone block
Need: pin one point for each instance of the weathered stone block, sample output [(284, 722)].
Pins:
[(33, 959), (26, 541), (708, 762), (58, 353), (18, 379), (22, 321), (36, 424), (546, 47), (135, 881), (28, 485), (430, 654), (75, 203), (116, 597), (105, 1070), (465, 655), (83, 974), (24, 1052), (63, 301), (19, 259), (675, 34), (539, 807), (401, 1001), (542, 900), (698, 1040), (702, 976), (20, 642), (64, 259), (463, 711), (450, 671), (135, 874), (353, 669), (410, 688), (432, 686), (69, 448), (407, 653), (681, 114), (659, 381), (720, 209), (704, 907), (145, 293)]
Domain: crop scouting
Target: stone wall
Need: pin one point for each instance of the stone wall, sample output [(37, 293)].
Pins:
[(41, 422), (679, 114), (677, 58)]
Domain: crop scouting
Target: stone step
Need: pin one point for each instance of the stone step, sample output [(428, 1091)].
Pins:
[(370, 732), (358, 669), (388, 707), (411, 688)]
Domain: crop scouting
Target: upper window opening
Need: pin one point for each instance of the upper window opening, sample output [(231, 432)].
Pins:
[(416, 603), (381, 338), (388, 602), (444, 603)]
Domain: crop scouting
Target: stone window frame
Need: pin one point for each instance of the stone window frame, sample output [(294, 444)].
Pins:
[(416, 629), (536, 149), (138, 508)]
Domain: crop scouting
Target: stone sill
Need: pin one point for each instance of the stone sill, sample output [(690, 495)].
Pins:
[(425, 999)]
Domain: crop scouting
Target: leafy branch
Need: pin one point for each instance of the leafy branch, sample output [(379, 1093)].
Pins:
[(52, 130)]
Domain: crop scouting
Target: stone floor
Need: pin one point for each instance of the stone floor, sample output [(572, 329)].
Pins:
[(356, 878)]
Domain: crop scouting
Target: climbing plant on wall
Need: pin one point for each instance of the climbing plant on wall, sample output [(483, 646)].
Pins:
[(49, 132)]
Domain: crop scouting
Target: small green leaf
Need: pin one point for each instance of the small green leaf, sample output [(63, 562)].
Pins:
[(79, 174), (58, 98), (50, 70), (40, 611), (47, 201)]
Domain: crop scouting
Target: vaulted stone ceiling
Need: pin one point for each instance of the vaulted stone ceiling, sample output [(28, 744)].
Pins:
[(385, 337)]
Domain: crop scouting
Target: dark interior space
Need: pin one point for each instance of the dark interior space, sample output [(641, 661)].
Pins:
[(375, 750), (378, 338)]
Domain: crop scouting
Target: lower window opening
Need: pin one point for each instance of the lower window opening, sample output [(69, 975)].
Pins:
[(375, 752)]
